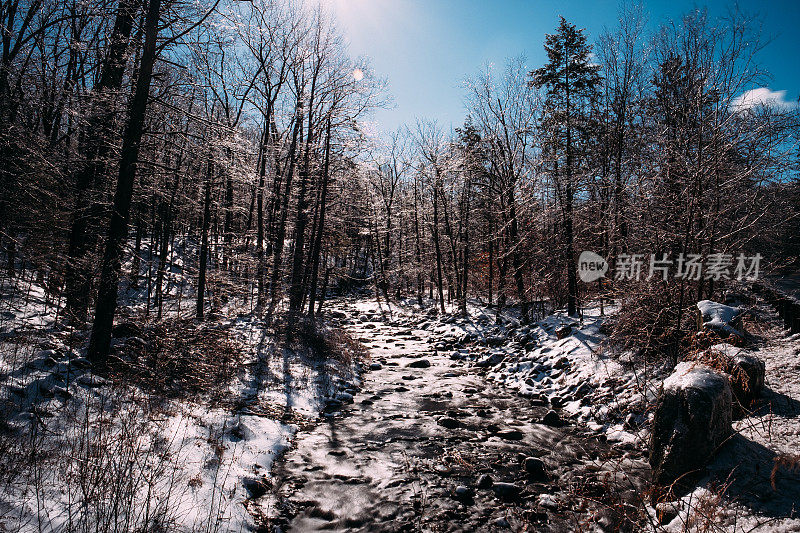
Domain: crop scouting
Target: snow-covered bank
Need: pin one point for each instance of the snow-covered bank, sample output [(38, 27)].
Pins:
[(102, 451), (754, 482)]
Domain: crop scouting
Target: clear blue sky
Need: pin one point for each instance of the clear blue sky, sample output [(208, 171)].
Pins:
[(426, 48)]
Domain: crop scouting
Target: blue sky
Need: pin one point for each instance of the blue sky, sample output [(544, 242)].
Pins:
[(426, 48)]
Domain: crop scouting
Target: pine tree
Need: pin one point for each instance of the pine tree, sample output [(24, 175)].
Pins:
[(571, 82)]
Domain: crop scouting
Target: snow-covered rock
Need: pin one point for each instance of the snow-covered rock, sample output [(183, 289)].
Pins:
[(719, 317), (748, 372), (491, 360), (692, 419), (563, 332)]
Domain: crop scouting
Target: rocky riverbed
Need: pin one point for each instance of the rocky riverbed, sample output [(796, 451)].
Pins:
[(428, 444)]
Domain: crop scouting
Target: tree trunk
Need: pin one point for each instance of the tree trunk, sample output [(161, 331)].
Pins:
[(201, 276), (515, 255), (317, 247), (418, 245), (280, 232), (82, 242), (100, 341), (436, 245)]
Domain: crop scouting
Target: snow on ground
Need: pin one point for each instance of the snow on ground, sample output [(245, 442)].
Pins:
[(188, 465), (757, 470), (754, 483), (82, 452), (25, 304), (572, 373)]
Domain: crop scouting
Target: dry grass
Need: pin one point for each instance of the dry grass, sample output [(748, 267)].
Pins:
[(322, 343), (180, 359), (787, 462), (647, 325)]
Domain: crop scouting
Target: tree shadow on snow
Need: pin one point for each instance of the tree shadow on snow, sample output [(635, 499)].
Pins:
[(756, 479)]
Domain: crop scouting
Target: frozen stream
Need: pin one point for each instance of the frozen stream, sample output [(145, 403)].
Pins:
[(393, 459)]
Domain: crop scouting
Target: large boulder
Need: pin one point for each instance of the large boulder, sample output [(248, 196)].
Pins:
[(747, 377), (692, 419), (746, 371), (722, 319)]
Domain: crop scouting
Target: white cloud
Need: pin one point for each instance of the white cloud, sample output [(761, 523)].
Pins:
[(762, 97)]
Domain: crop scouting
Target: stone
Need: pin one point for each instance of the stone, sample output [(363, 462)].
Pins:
[(534, 467), (494, 340), (363, 318), (126, 329), (666, 511), (490, 360), (345, 397), (485, 481), (506, 491), (552, 419), (448, 422), (333, 403), (375, 366), (322, 514), (583, 390), (91, 381), (692, 419), (240, 432), (548, 501), (510, 434), (62, 392), (419, 363), (255, 486), (720, 318), (502, 523), (747, 377), (631, 422), (463, 493), (563, 332)]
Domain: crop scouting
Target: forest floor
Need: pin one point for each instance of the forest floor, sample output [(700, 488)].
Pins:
[(429, 423)]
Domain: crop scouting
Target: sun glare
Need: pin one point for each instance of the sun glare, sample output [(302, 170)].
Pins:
[(358, 74)]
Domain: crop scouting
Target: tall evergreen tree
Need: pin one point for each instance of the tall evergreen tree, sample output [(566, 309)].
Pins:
[(571, 81)]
